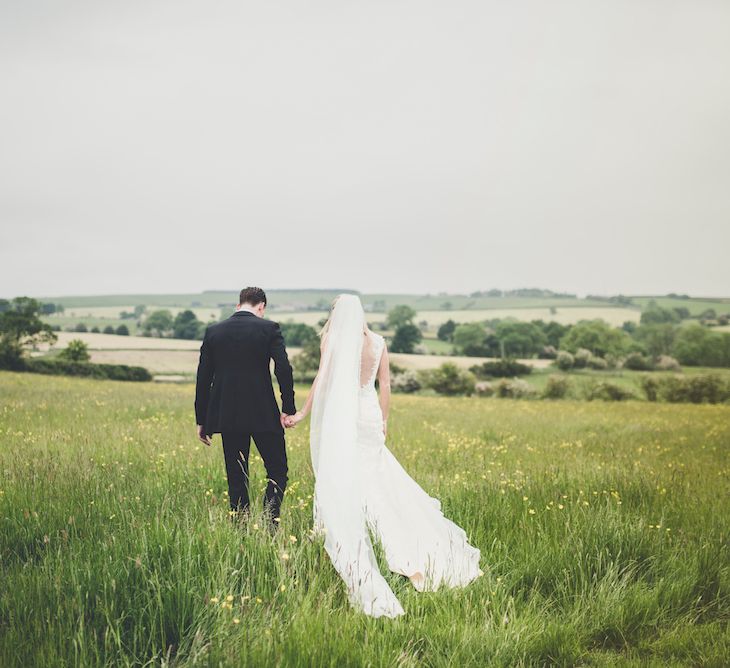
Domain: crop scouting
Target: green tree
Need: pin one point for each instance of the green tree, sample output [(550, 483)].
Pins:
[(158, 323), (406, 338), (696, 345), (306, 363), (297, 333), (186, 325), (656, 314), (400, 315), (520, 339), (446, 331), (76, 351), (108, 329), (597, 336), (471, 339), (657, 338), (20, 328), (122, 330)]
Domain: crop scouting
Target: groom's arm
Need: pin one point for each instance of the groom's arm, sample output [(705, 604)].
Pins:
[(283, 371), (206, 370)]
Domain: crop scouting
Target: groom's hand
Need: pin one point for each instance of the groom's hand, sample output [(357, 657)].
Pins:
[(202, 435), (284, 419)]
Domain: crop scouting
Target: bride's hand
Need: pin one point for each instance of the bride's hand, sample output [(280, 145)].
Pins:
[(295, 419)]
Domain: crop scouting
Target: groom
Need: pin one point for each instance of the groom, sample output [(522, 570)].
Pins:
[(234, 397)]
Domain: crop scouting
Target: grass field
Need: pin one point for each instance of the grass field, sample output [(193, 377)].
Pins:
[(603, 529)]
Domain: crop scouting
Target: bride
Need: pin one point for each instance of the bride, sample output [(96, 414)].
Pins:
[(360, 485)]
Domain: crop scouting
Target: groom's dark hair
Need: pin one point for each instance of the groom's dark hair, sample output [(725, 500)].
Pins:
[(252, 296)]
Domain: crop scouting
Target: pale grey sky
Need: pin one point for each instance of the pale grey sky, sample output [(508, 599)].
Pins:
[(418, 146)]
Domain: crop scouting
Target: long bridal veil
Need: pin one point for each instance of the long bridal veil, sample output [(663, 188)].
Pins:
[(338, 507)]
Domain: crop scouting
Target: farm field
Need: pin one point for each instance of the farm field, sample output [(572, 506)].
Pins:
[(564, 315), (180, 356), (304, 299), (603, 529)]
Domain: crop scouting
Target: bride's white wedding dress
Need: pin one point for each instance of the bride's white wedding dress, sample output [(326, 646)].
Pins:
[(377, 493)]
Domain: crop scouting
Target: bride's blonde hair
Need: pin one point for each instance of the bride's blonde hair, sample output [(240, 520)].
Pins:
[(326, 326)]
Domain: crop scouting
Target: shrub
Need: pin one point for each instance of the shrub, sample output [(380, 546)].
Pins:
[(597, 363), (637, 362), (395, 369), (76, 351), (548, 353), (650, 386), (666, 363), (108, 329), (405, 382), (564, 361), (695, 389), (514, 389), (581, 358), (81, 327), (60, 367), (450, 380), (122, 330), (484, 389), (557, 387), (503, 368), (607, 392)]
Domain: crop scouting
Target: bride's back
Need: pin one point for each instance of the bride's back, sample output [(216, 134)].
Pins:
[(369, 358)]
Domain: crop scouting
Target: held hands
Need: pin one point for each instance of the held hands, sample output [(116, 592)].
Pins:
[(290, 421)]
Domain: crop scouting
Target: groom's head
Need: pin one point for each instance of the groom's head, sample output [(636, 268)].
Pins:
[(253, 298)]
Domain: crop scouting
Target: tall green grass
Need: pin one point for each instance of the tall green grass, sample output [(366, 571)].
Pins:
[(603, 530)]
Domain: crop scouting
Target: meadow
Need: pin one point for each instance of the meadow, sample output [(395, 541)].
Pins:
[(603, 529)]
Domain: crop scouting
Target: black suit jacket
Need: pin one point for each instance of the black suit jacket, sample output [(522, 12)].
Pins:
[(233, 390)]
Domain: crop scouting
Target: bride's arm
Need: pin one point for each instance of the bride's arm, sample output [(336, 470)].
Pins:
[(384, 385)]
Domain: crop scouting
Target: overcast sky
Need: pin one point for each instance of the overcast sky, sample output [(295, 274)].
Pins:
[(150, 146)]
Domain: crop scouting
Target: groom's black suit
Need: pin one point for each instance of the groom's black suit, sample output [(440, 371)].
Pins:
[(234, 396)]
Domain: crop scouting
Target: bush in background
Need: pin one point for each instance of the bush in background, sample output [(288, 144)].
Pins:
[(484, 388), (607, 392), (666, 363), (637, 362), (597, 363), (650, 386), (696, 389), (406, 382), (503, 368), (514, 389), (76, 351), (564, 361), (450, 380), (60, 367), (582, 358), (557, 387)]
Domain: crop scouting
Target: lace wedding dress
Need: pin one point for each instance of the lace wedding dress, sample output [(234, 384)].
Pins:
[(373, 491)]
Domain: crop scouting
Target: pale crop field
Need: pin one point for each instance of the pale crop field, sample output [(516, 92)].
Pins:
[(112, 312), (603, 529), (564, 315)]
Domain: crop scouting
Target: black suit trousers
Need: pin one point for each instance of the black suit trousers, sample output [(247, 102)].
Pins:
[(271, 447)]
